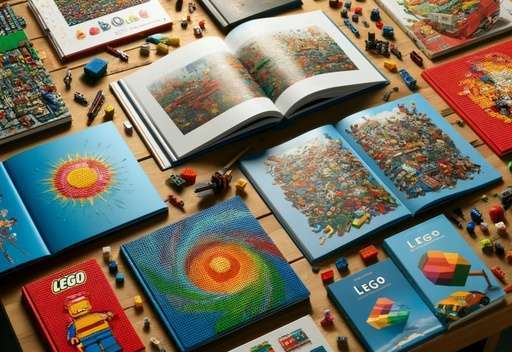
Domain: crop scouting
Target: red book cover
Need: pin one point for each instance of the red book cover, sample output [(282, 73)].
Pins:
[(478, 87), (77, 311)]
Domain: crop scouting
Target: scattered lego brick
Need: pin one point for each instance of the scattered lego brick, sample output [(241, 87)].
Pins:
[(335, 4), (484, 227), (327, 277), (156, 343), (146, 324), (175, 201), (112, 267), (375, 46), (499, 274), (119, 279), (240, 186), (509, 256), (176, 182), (218, 182), (128, 128), (189, 175), (369, 254), (109, 112), (506, 198), (96, 68), (497, 213), (409, 81), (117, 53), (388, 32), (145, 50), (501, 228), (328, 319), (342, 343), (499, 250), (358, 11), (476, 216), (162, 49), (470, 227), (106, 253), (137, 303), (342, 265), (80, 99), (486, 246), (391, 66), (375, 15), (68, 78)]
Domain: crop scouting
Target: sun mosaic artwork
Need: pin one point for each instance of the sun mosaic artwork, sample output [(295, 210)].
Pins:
[(412, 151), (81, 179), (329, 186), (216, 271), (488, 84)]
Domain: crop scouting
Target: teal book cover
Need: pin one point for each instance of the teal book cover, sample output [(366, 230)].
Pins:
[(453, 280), (385, 311), (81, 186), (213, 273)]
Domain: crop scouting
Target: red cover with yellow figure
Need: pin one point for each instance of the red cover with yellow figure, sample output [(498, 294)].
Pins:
[(479, 88), (78, 311)]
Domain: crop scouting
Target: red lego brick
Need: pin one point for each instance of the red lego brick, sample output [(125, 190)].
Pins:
[(497, 214), (189, 175), (499, 273), (327, 277), (369, 254)]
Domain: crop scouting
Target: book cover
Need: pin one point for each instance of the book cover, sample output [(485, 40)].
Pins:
[(29, 101), (76, 28), (478, 87), (385, 311), (322, 192), (301, 335), (213, 273), (450, 276), (88, 182), (76, 310), (230, 13), (439, 28)]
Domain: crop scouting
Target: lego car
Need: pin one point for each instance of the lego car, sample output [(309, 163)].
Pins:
[(461, 303)]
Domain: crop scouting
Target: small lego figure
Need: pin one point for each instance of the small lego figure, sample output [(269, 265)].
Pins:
[(189, 175), (388, 32), (80, 99), (327, 277), (107, 253), (179, 5), (146, 324), (369, 254), (175, 201), (328, 319), (375, 15), (416, 58), (484, 227), (218, 182), (476, 216), (202, 25), (89, 331), (198, 33), (109, 112), (499, 250), (499, 273), (355, 18), (342, 343), (334, 4), (145, 50), (379, 24), (67, 79), (496, 213), (156, 344), (240, 186), (506, 198), (486, 246), (119, 279), (137, 303), (394, 50), (112, 267), (358, 11), (348, 4), (184, 23), (470, 227), (117, 53), (342, 265), (344, 13)]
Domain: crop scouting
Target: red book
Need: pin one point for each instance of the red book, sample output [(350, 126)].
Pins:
[(478, 87), (77, 311)]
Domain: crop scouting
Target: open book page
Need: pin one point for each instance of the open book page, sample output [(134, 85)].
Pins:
[(302, 58), (82, 186), (198, 94), (416, 152), (322, 192), (20, 241)]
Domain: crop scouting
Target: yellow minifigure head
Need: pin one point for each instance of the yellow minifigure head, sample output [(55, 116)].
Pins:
[(78, 305)]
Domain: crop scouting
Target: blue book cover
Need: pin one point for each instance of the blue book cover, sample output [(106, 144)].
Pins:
[(213, 273), (335, 185), (445, 270), (82, 186), (385, 311)]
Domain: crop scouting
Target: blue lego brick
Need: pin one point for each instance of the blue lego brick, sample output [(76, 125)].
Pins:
[(342, 265), (96, 68)]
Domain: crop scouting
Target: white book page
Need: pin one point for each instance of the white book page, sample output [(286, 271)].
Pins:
[(198, 94), (294, 58)]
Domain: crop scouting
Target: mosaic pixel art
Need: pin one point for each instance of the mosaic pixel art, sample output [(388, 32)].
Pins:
[(79, 11), (488, 84), (8, 237), (329, 186), (204, 89), (412, 151), (387, 312), (278, 60)]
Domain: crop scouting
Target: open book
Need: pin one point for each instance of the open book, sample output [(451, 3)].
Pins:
[(62, 193), (337, 184), (264, 71)]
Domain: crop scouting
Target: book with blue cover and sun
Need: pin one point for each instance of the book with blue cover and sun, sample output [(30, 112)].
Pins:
[(385, 311), (338, 184), (212, 274), (444, 269), (68, 191)]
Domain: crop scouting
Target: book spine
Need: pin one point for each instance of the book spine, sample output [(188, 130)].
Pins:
[(27, 300), (149, 293)]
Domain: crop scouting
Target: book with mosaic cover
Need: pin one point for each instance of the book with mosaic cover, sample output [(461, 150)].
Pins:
[(383, 308), (340, 183), (451, 278), (265, 71), (76, 28), (68, 191), (212, 274), (478, 87)]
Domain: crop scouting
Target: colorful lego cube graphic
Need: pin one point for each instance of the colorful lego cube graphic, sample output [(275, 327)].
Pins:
[(447, 268), (387, 312), (263, 347), (293, 340)]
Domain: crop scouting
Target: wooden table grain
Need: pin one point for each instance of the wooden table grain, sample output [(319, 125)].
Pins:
[(487, 325)]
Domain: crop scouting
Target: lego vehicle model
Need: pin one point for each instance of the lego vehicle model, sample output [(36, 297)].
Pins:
[(461, 303)]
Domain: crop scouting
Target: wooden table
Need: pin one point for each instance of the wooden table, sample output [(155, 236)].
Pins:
[(487, 326)]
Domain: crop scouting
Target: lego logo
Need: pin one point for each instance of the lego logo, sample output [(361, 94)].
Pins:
[(68, 281)]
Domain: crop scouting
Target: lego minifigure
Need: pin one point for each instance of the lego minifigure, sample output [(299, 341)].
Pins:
[(328, 319)]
